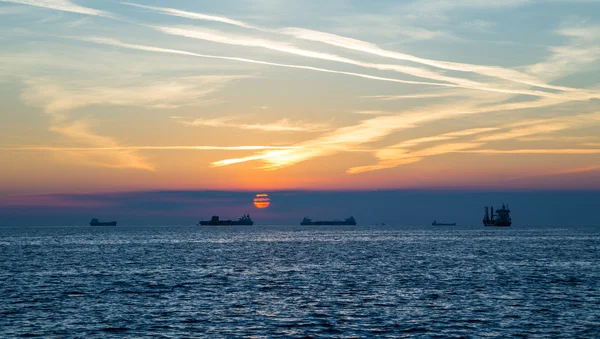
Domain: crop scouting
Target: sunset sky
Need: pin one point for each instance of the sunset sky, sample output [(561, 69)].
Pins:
[(267, 95)]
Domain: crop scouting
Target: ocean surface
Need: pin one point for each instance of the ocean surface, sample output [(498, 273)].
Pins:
[(300, 282)]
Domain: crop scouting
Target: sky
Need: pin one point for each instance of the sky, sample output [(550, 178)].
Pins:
[(273, 95)]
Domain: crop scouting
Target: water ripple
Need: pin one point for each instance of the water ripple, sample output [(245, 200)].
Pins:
[(299, 282)]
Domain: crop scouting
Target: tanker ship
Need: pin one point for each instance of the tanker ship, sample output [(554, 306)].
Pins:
[(216, 221), (435, 223), (96, 222)]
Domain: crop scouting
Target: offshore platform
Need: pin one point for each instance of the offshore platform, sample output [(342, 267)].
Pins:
[(500, 218)]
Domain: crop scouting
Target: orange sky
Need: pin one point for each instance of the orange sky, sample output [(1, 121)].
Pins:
[(214, 97)]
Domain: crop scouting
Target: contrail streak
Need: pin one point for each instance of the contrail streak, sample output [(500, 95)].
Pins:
[(113, 42), (369, 48), (62, 5), (366, 47), (149, 148), (535, 151), (193, 15), (218, 37)]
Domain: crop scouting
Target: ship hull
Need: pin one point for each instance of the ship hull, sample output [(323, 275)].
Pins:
[(499, 224), (225, 223), (442, 224), (328, 223), (216, 221), (112, 223)]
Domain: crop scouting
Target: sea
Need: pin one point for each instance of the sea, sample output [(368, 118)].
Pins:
[(300, 282)]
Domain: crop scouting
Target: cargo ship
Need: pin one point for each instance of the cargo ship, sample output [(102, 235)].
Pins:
[(96, 222), (216, 221), (347, 221), (435, 223), (500, 218)]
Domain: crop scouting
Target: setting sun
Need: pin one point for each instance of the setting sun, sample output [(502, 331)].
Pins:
[(262, 200)]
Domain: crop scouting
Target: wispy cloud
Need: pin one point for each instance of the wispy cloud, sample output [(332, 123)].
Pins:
[(583, 49), (114, 42), (119, 158), (413, 96), (264, 156), (12, 10), (443, 137), (62, 5), (466, 89), (418, 141), (394, 157), (357, 45), (575, 139), (145, 148), (282, 125), (400, 153), (536, 151), (362, 46), (62, 96), (471, 131), (446, 81), (388, 26), (340, 140), (373, 112), (58, 99), (439, 9), (366, 47), (526, 131), (527, 128), (349, 138), (192, 15)]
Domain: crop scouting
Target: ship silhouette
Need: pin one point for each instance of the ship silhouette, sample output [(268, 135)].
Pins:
[(500, 218), (216, 221), (96, 222), (435, 223)]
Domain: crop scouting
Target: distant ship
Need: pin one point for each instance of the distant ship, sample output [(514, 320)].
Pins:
[(347, 221), (500, 218), (96, 222), (435, 223), (215, 221)]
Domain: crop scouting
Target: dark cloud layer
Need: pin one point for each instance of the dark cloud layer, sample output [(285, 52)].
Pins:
[(393, 207)]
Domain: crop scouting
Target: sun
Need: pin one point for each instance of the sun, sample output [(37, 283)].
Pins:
[(262, 200)]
